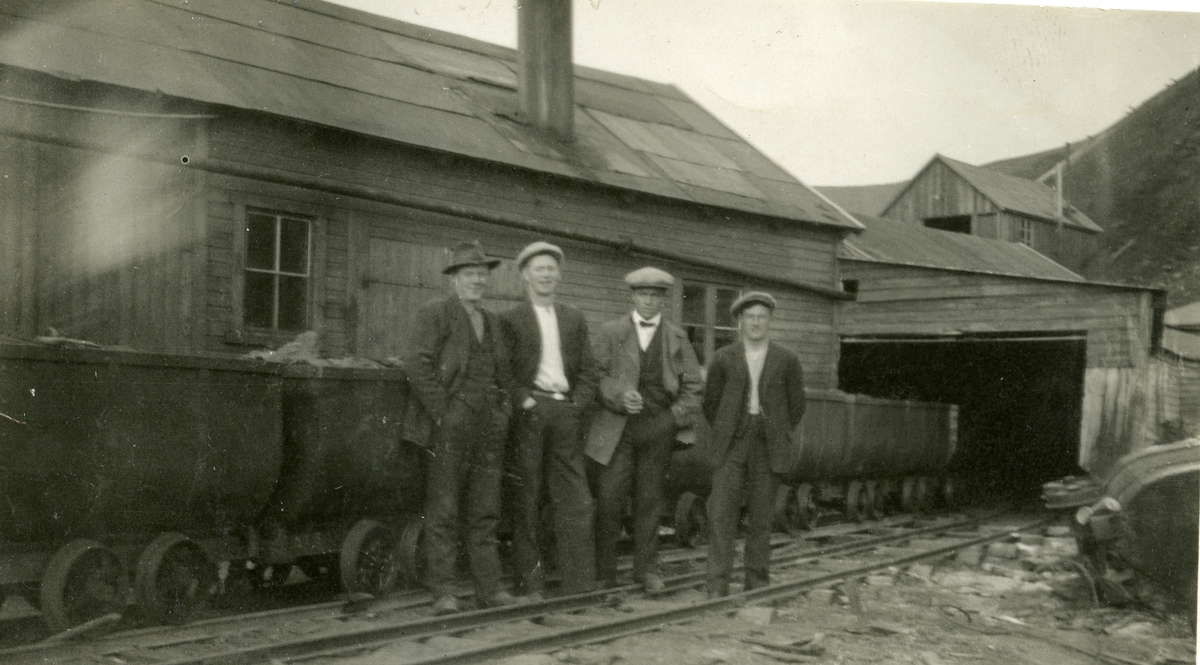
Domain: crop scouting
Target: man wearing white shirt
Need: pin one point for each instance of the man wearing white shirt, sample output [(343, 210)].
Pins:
[(649, 386), (554, 374), (754, 399)]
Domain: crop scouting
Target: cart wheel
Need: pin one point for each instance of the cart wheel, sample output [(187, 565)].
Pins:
[(691, 521), (174, 577), (924, 494), (367, 561), (950, 493), (857, 501), (410, 553), (83, 580), (908, 495), (874, 500), (806, 509), (786, 519)]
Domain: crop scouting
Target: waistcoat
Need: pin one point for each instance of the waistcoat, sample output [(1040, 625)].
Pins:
[(650, 375)]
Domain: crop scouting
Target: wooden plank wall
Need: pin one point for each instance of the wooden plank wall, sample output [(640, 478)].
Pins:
[(1068, 245), (902, 300), (97, 246), (382, 261), (1189, 396), (938, 192), (1124, 410), (775, 247)]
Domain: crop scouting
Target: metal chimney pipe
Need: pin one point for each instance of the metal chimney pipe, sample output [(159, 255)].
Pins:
[(546, 79)]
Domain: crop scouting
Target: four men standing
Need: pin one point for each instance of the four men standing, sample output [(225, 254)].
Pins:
[(469, 368)]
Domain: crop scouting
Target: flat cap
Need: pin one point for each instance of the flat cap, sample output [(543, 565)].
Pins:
[(540, 247), (752, 298), (649, 278)]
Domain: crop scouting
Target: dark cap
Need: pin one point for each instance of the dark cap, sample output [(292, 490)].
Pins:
[(469, 254), (537, 248), (752, 298)]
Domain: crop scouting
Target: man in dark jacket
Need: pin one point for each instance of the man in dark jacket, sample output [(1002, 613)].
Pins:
[(754, 399), (459, 375), (649, 390), (554, 374)]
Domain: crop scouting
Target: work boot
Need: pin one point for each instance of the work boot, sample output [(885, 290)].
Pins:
[(652, 583), (445, 605)]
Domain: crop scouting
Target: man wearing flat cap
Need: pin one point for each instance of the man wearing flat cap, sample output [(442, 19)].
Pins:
[(649, 391), (754, 399), (459, 374), (554, 375)]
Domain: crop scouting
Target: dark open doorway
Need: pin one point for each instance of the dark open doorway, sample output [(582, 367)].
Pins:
[(1019, 396)]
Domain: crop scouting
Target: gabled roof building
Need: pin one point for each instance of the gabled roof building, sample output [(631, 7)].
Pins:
[(955, 196), (214, 176)]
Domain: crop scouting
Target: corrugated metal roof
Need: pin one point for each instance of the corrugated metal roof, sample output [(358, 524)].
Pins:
[(342, 68), (905, 243), (1019, 195)]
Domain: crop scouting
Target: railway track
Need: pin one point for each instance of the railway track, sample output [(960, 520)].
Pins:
[(333, 630)]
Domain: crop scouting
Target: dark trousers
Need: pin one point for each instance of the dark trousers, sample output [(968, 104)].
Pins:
[(640, 459), (464, 469), (550, 453), (748, 466)]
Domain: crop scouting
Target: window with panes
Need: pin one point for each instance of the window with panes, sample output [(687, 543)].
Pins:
[(1024, 232), (278, 250), (706, 317)]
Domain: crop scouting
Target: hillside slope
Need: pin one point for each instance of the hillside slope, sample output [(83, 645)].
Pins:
[(1139, 180)]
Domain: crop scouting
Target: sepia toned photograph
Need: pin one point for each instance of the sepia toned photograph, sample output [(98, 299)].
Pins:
[(593, 332)]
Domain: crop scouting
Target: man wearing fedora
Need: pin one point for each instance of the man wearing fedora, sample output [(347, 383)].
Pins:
[(649, 390), (555, 379), (458, 372), (754, 399)]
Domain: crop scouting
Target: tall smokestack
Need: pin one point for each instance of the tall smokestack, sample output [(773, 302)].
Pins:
[(547, 74)]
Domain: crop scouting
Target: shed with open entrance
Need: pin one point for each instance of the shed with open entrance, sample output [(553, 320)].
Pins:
[(1051, 372)]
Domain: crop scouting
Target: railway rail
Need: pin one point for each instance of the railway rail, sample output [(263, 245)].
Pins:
[(329, 631)]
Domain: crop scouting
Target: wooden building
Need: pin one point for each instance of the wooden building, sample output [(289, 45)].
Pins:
[(954, 196), (1050, 371), (1181, 352), (216, 176)]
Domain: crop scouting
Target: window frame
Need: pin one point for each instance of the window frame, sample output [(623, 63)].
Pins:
[(709, 326), (241, 333), (1023, 233)]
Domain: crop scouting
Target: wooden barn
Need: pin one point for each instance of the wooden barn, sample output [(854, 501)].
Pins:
[(954, 196), (1050, 371), (214, 177)]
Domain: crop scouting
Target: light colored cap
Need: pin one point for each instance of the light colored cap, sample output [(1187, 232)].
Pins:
[(649, 278), (752, 298), (540, 247)]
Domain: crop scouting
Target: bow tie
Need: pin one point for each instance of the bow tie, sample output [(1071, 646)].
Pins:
[(647, 324)]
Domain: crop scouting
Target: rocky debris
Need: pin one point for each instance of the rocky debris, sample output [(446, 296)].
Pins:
[(756, 614), (529, 659), (306, 348), (820, 596)]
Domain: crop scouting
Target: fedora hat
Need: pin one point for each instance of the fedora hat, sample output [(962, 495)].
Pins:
[(469, 254)]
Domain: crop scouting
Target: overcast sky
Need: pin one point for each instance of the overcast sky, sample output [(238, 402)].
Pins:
[(847, 93)]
